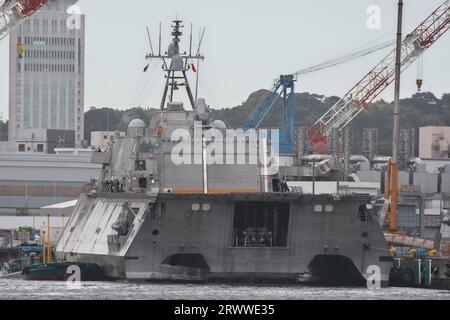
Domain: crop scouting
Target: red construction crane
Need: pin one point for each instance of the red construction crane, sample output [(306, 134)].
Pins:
[(379, 78), (14, 12)]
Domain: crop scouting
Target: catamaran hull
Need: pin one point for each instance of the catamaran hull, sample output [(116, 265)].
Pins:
[(196, 238)]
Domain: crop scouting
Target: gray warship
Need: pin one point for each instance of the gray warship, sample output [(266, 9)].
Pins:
[(150, 216)]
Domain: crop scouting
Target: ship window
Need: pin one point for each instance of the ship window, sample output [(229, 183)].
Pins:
[(318, 208), (329, 208), (140, 165), (153, 211), (143, 183), (260, 224), (206, 207), (363, 214), (195, 207)]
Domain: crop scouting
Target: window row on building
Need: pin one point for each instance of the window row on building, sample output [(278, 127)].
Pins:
[(39, 117), (51, 54), (40, 147), (45, 25), (47, 41), (42, 67)]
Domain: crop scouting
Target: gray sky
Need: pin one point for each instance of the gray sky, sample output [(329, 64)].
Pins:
[(248, 43)]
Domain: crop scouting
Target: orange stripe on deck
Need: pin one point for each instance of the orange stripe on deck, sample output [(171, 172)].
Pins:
[(213, 191)]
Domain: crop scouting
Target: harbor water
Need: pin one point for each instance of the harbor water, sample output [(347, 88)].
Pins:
[(17, 289)]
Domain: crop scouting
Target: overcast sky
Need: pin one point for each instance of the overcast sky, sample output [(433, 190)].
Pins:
[(248, 43)]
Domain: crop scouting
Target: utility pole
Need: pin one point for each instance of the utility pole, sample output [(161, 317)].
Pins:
[(395, 137), (314, 176)]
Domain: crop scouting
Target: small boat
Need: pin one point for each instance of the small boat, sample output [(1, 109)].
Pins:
[(61, 271), (11, 275), (27, 255), (51, 270)]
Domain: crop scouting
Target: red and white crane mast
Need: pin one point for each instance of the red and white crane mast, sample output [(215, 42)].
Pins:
[(14, 12), (379, 78)]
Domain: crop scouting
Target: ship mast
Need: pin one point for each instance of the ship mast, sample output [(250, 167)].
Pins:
[(176, 65)]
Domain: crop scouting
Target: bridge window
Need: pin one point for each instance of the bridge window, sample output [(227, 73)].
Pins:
[(143, 183), (364, 214), (261, 224)]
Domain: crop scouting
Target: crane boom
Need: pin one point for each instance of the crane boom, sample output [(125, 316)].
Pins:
[(381, 76), (283, 90), (345, 58), (14, 12)]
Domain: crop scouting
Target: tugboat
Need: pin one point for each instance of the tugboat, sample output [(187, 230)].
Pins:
[(52, 270), (168, 205), (61, 271)]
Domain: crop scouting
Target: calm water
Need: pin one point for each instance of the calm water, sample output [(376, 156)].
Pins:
[(17, 289)]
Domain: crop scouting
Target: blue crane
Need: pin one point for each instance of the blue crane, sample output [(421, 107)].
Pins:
[(283, 89)]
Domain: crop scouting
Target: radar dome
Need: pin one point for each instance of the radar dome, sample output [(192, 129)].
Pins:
[(219, 124), (136, 128)]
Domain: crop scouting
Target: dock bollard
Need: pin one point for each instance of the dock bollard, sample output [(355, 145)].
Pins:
[(417, 272), (397, 263), (427, 273)]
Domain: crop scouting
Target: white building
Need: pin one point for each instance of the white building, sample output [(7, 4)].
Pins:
[(101, 139), (43, 140), (46, 85), (434, 142), (29, 182)]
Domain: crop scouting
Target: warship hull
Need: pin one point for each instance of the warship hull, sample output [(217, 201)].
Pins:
[(199, 237), (183, 198)]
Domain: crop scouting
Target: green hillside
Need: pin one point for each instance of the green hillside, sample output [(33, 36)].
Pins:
[(422, 109)]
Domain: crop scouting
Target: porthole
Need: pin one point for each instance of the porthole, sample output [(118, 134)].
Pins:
[(329, 208), (206, 207), (196, 207), (155, 232)]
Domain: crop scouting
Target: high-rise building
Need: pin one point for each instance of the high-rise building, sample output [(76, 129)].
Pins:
[(46, 85), (434, 142)]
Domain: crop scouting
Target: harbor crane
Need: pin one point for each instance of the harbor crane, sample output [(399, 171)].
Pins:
[(284, 90), (407, 51), (14, 12), (381, 76), (376, 81)]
